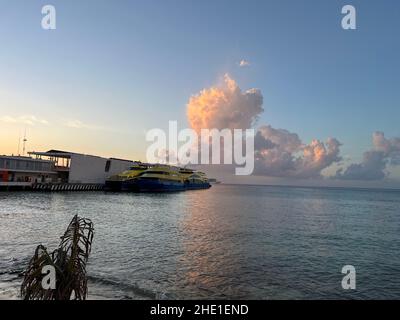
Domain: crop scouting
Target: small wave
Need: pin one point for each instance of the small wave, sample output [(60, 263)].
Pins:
[(15, 272), (12, 272), (10, 283), (14, 267)]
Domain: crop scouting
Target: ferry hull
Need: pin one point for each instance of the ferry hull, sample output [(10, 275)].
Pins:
[(113, 186), (154, 185), (198, 186), (130, 186), (149, 185)]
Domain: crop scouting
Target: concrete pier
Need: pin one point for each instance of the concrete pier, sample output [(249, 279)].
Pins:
[(51, 187), (67, 187)]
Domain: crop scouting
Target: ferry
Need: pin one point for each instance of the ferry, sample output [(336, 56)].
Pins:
[(115, 183), (194, 179), (156, 179), (197, 180), (162, 178)]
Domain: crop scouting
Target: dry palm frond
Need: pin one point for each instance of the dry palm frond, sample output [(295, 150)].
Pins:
[(73, 254), (69, 261)]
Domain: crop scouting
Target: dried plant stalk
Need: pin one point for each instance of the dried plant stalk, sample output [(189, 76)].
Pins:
[(69, 261)]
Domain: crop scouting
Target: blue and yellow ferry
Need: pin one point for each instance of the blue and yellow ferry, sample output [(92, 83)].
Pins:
[(162, 178), (114, 183)]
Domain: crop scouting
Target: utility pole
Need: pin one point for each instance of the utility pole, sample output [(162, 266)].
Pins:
[(19, 142), (24, 143)]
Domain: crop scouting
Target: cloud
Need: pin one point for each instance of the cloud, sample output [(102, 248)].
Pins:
[(77, 124), (30, 120), (389, 147), (244, 63), (223, 107), (373, 166), (280, 153)]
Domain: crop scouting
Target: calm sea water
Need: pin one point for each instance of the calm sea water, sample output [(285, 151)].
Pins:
[(229, 242)]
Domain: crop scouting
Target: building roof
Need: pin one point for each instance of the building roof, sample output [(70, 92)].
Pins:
[(121, 159), (59, 151), (53, 153), (67, 154), (12, 157)]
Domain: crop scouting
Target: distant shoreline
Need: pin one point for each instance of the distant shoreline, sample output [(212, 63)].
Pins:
[(311, 187)]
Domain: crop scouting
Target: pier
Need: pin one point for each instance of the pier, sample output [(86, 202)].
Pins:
[(50, 187), (67, 187)]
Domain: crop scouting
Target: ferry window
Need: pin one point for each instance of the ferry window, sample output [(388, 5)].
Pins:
[(108, 165)]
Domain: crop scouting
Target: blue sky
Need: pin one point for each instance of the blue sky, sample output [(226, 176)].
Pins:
[(129, 66)]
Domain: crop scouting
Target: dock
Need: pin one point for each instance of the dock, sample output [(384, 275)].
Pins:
[(67, 187), (50, 187)]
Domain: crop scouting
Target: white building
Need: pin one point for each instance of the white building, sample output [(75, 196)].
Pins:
[(81, 168)]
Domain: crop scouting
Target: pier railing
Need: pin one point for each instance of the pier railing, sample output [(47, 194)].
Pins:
[(67, 187), (50, 187)]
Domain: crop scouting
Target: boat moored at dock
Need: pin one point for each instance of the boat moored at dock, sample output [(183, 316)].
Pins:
[(157, 179), (163, 178), (115, 182), (197, 180)]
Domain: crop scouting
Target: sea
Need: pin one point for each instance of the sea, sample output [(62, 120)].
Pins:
[(227, 242)]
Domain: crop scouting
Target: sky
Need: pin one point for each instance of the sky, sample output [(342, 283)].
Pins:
[(112, 70)]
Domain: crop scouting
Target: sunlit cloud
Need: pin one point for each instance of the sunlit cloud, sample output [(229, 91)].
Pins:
[(80, 125), (224, 106), (77, 124), (375, 161), (30, 120), (244, 63), (278, 152)]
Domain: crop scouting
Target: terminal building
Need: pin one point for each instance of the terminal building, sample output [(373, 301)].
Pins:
[(82, 168), (58, 167), (21, 172)]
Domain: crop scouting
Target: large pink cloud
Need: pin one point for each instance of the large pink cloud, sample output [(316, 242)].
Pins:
[(226, 106), (278, 152)]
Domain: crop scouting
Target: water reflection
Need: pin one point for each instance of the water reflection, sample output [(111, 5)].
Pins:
[(217, 236)]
